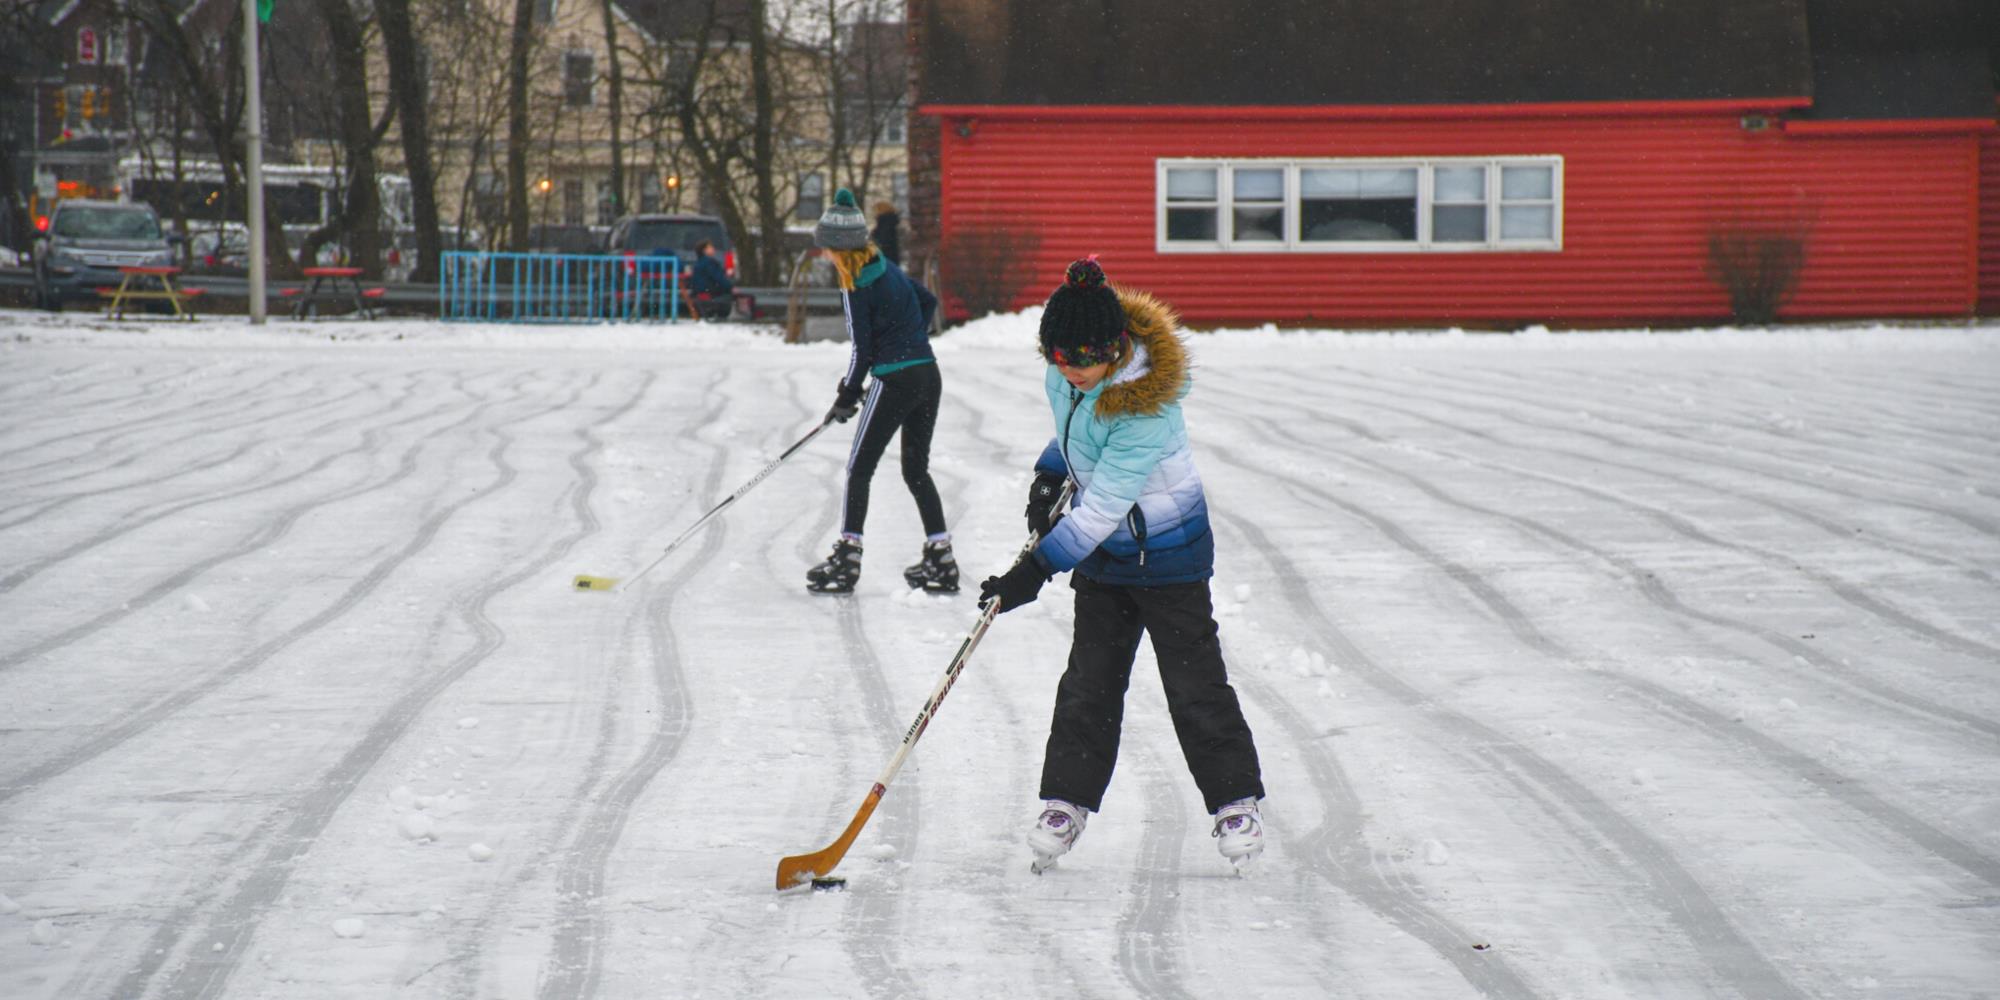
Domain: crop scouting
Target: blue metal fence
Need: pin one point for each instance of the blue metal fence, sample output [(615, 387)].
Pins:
[(558, 287)]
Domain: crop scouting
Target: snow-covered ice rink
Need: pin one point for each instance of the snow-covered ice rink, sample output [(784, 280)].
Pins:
[(1581, 666)]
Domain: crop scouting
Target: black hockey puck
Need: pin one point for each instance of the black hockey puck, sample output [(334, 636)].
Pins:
[(829, 883)]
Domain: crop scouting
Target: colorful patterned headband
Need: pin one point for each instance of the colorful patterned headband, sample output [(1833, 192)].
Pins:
[(1086, 355)]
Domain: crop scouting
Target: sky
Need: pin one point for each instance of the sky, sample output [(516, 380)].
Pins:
[(1605, 665)]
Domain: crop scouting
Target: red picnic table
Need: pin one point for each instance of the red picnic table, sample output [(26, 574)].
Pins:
[(148, 283), (331, 284)]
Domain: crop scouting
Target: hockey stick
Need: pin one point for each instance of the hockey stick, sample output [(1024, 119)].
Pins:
[(802, 868), (588, 582)]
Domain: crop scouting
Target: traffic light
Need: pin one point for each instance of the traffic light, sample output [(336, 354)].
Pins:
[(62, 107), (89, 103), (264, 11)]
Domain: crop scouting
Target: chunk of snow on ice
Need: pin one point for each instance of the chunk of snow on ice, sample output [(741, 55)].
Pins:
[(217, 947), (477, 751), (469, 722), (418, 826), (8, 905), (193, 602), (43, 932), (479, 852), (1642, 777), (882, 852), (401, 797), (1435, 853), (349, 927), (1241, 592), (1788, 704)]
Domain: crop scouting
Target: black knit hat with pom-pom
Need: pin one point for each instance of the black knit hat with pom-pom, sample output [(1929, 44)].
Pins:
[(1083, 323)]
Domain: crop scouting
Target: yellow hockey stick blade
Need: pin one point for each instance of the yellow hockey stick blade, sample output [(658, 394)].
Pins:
[(595, 583)]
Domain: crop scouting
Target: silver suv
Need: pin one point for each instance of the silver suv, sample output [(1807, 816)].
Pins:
[(88, 241)]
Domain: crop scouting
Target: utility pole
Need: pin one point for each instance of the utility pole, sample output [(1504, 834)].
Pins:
[(253, 158)]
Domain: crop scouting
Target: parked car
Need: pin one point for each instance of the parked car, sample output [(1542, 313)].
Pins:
[(88, 241), (672, 235), (222, 252), (566, 239)]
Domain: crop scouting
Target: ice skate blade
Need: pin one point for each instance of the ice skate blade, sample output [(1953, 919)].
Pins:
[(1042, 864), (1243, 866)]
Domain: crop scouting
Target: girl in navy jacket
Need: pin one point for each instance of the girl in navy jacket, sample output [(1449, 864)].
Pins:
[(888, 322)]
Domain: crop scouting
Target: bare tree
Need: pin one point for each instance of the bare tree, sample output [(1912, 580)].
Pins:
[(210, 73), (616, 97), (409, 87), (361, 208), (520, 48)]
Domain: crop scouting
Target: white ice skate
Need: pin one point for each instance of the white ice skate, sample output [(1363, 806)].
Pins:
[(1239, 833), (1055, 833)]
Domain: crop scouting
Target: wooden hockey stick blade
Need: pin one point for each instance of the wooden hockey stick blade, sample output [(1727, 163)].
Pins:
[(595, 582), (800, 869)]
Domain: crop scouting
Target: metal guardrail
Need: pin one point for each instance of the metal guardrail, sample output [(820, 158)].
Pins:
[(406, 297), (558, 287)]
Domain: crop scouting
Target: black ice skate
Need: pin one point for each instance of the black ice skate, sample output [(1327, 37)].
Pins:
[(840, 571), (936, 572)]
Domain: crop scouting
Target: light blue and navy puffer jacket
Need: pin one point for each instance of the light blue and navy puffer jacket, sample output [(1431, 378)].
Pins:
[(1139, 516)]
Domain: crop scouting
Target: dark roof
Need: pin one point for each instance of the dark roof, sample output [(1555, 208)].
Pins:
[(1854, 58), (1908, 59), (681, 20), (1313, 52)]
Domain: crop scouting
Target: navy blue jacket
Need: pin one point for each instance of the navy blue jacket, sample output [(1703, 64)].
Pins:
[(889, 321), (709, 277)]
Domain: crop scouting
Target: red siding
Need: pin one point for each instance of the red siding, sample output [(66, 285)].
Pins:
[(1893, 223), (1989, 223)]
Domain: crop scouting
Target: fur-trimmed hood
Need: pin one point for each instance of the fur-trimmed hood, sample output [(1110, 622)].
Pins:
[(1158, 371)]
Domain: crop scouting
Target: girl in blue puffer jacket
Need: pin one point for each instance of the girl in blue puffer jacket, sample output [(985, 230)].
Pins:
[(1138, 542)]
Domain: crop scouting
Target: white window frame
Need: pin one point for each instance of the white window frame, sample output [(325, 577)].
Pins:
[(1426, 192)]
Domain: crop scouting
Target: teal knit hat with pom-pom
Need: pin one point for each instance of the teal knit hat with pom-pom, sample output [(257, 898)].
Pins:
[(842, 227)]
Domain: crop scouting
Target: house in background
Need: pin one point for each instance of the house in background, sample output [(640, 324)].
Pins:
[(1577, 162)]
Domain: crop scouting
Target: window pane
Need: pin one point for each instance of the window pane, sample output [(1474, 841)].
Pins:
[(1191, 184), (1396, 182), (1461, 183), (1358, 219), (1458, 223), (1527, 182), (1264, 225), (1329, 183), (1192, 224), (1527, 222), (1260, 185), (1389, 183)]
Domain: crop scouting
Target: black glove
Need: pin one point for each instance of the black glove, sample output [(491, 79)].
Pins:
[(846, 403), (1016, 587), (1042, 512)]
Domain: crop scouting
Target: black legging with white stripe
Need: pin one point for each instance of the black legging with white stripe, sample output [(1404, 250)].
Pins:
[(905, 400)]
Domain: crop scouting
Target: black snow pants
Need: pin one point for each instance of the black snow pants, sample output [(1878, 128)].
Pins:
[(1090, 699), (905, 400)]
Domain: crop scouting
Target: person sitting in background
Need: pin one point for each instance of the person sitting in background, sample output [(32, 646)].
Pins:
[(888, 236), (714, 294)]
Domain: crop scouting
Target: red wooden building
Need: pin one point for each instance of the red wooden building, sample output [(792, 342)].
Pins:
[(1573, 162)]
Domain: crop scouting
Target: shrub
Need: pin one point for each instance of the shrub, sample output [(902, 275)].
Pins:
[(983, 266), (1757, 264)]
